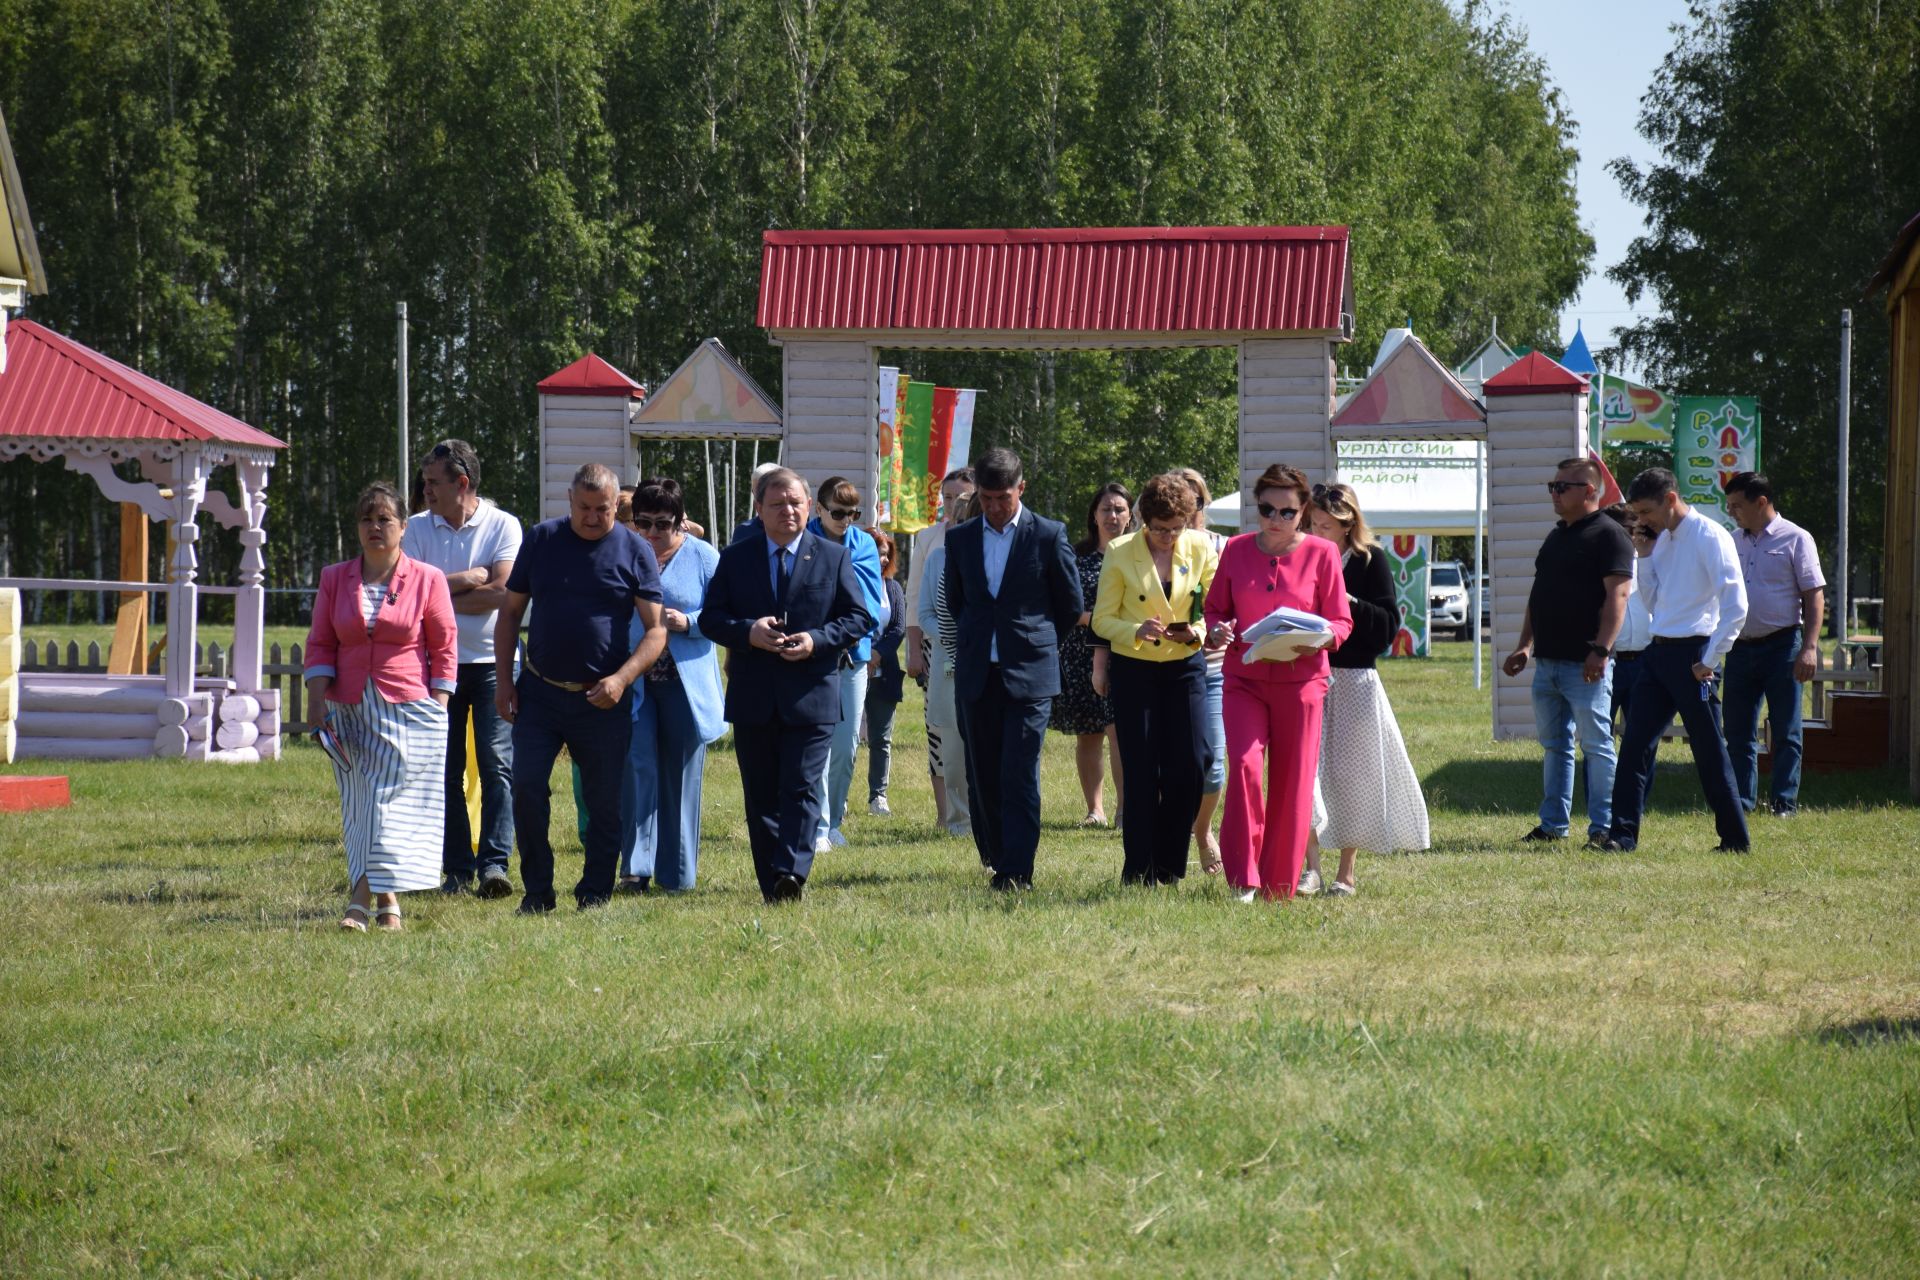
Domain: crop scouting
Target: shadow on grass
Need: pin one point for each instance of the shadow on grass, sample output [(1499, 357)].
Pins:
[(160, 894), (1513, 786), (1871, 1031)]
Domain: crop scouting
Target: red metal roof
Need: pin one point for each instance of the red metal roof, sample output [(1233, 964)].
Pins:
[(591, 376), (1533, 375), (1099, 280), (54, 386)]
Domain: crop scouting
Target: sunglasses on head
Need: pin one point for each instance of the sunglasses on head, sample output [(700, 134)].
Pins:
[(665, 524), (844, 514), (1268, 512), (1562, 486)]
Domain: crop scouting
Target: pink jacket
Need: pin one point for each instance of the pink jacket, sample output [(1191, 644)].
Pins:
[(413, 643), (1249, 585)]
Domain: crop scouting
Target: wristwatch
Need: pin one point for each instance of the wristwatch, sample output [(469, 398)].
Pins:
[(1601, 649)]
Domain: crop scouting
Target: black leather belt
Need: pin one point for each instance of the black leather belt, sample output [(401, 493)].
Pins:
[(1680, 639)]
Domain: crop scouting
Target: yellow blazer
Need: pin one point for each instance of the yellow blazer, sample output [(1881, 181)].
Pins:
[(1130, 593)]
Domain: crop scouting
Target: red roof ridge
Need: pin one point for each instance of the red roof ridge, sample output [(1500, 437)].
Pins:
[(49, 392), (1533, 374), (1050, 235), (590, 376)]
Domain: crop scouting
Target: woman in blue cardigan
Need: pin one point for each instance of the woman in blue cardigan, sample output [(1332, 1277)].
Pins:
[(676, 709)]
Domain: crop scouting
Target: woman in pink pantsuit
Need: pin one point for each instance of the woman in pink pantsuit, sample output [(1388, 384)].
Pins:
[(1272, 709)]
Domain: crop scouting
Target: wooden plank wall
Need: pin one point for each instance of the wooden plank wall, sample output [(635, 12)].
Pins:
[(1901, 651), (1286, 404), (828, 392), (1526, 436), (576, 430)]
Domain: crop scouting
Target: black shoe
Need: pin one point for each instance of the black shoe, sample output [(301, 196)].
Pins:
[(636, 884), (1724, 847), (787, 888), (456, 886), (1000, 883), (588, 901), (531, 906), (1612, 844), (1540, 835), (1784, 811), (494, 883)]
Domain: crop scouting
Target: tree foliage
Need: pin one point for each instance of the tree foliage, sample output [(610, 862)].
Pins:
[(233, 194), (1787, 134)]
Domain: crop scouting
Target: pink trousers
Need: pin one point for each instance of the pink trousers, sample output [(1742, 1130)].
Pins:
[(1273, 735)]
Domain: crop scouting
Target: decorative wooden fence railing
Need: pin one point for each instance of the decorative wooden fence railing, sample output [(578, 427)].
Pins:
[(280, 671)]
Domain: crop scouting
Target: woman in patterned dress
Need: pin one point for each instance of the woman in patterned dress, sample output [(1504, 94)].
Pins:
[(1372, 794), (1083, 708), (382, 651)]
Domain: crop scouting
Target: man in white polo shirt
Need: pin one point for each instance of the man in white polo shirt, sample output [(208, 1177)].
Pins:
[(1697, 601), (475, 544)]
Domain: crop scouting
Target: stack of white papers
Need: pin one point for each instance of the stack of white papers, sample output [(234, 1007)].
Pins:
[(1284, 635)]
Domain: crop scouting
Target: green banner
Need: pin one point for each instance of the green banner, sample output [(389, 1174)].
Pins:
[(914, 432), (1408, 557), (1714, 439)]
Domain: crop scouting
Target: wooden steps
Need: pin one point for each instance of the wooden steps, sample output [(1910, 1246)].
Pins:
[(1856, 734)]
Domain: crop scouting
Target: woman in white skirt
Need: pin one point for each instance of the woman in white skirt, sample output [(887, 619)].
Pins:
[(1373, 799), (381, 655)]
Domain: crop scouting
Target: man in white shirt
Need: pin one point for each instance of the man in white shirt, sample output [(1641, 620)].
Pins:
[(1696, 601), (475, 544)]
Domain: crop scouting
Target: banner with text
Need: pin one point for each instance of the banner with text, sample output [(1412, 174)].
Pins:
[(1622, 413), (886, 475), (1715, 438)]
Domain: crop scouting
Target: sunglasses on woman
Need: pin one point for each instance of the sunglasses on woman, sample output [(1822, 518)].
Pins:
[(844, 514), (1269, 512), (665, 524)]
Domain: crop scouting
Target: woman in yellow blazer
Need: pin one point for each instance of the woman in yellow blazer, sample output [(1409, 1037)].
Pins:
[(1149, 608)]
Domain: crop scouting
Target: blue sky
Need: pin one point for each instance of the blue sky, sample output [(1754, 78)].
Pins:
[(1602, 58)]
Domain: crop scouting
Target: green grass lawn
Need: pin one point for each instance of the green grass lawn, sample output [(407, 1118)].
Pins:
[(1495, 1061)]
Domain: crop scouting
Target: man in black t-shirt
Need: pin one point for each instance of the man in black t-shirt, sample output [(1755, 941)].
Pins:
[(588, 576), (1579, 598)]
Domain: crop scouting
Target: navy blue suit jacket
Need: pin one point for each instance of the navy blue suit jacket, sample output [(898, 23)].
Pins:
[(823, 599), (1039, 602)]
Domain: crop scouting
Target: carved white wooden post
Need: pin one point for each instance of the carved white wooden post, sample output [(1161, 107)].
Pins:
[(249, 606), (189, 478)]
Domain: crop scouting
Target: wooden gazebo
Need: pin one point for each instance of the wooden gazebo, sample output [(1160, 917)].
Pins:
[(61, 400), (1899, 274)]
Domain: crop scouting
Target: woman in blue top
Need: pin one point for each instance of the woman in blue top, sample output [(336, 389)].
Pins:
[(676, 709), (837, 518)]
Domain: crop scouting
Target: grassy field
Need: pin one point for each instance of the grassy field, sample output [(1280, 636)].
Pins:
[(1494, 1061)]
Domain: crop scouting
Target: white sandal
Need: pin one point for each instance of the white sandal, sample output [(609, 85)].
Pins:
[(385, 914), (349, 924)]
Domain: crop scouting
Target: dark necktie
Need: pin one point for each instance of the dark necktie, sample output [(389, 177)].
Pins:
[(785, 574)]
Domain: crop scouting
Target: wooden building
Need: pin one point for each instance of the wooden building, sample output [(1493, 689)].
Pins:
[(1899, 274)]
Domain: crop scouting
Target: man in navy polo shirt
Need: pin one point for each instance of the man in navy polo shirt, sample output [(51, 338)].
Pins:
[(586, 575)]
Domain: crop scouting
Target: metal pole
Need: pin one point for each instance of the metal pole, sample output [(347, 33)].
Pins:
[(1841, 622), (406, 465), (1479, 531), (713, 509)]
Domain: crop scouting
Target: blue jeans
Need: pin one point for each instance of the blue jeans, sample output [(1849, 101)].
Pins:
[(846, 741), (660, 796), (597, 740), (1216, 780), (1566, 706), (1667, 686), (493, 749), (1764, 669)]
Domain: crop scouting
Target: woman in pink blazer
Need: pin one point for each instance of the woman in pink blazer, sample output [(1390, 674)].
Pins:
[(1272, 709), (382, 653)]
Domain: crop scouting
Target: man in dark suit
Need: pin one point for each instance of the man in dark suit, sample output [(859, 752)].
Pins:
[(786, 605), (1013, 590)]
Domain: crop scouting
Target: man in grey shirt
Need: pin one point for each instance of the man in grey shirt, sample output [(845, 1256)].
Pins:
[(1778, 649), (475, 544)]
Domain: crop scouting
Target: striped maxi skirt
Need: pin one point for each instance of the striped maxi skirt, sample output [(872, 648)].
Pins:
[(393, 800)]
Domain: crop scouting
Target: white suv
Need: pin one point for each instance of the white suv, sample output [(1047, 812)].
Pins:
[(1447, 598)]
